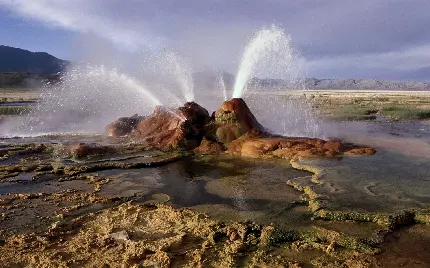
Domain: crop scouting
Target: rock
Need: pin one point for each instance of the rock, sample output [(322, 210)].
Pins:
[(232, 127), (209, 147), (86, 149), (167, 129), (360, 151), (233, 119), (333, 146), (123, 126), (289, 147), (267, 236), (121, 236)]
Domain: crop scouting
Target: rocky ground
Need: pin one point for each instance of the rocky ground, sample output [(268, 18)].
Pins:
[(61, 204), (53, 214)]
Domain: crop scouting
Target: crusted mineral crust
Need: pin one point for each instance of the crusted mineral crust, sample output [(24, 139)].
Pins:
[(160, 236), (209, 147)]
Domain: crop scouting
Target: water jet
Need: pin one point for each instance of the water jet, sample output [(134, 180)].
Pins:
[(270, 50)]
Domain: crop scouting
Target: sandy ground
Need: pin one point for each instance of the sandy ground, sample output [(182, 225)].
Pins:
[(19, 94)]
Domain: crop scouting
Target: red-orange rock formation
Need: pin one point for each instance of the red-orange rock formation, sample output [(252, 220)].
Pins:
[(123, 126), (167, 129), (232, 127), (243, 135), (209, 147), (286, 147), (232, 120)]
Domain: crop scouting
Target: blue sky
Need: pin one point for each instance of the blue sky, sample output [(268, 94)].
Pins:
[(28, 34), (382, 39)]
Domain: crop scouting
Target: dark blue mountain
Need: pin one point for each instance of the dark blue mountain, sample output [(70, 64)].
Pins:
[(23, 61)]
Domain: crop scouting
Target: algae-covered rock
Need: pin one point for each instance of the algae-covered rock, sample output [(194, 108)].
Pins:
[(234, 119)]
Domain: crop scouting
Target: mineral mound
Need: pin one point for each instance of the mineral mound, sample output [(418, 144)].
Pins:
[(232, 128), (167, 129), (123, 126)]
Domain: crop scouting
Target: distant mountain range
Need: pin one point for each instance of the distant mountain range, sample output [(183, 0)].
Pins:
[(19, 60), (211, 81), (347, 83)]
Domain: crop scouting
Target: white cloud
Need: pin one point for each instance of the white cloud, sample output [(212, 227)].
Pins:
[(409, 59), (338, 37), (78, 16)]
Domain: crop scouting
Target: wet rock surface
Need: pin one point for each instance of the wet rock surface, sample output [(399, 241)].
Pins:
[(88, 149), (238, 128), (111, 209), (123, 126)]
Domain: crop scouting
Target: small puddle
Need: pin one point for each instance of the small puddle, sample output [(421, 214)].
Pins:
[(216, 185)]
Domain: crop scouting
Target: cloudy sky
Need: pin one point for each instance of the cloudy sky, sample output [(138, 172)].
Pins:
[(382, 39)]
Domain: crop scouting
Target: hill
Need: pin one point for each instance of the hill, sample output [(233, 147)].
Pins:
[(23, 61)]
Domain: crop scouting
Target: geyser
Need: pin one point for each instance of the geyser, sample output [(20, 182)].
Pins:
[(85, 100), (222, 86), (269, 62), (89, 97), (173, 73), (270, 51)]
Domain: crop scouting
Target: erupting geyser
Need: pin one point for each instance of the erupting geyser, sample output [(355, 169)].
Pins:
[(174, 73), (88, 98), (232, 128), (269, 58), (222, 86), (84, 100), (270, 50)]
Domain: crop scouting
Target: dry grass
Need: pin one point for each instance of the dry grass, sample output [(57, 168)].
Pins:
[(14, 110), (18, 95), (368, 105)]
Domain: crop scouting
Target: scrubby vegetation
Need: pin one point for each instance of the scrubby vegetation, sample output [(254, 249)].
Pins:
[(347, 107), (14, 110), (402, 112)]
